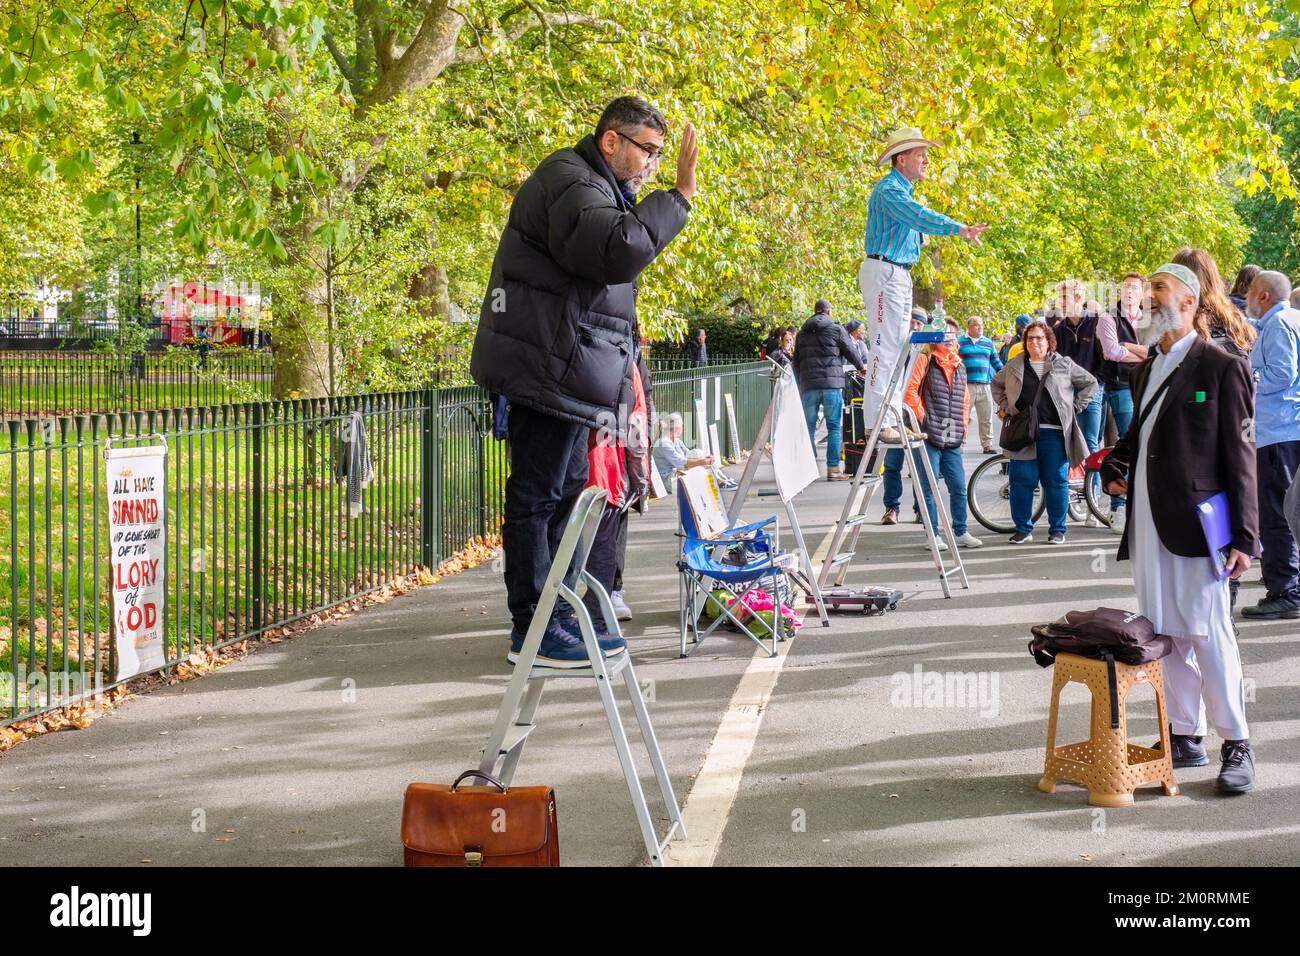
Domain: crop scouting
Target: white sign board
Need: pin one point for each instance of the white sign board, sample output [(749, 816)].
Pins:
[(793, 457), (657, 488), (717, 405), (705, 501), (702, 428), (733, 432), (715, 443), (137, 536)]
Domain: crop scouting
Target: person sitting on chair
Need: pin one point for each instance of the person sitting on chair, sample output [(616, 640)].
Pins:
[(671, 455)]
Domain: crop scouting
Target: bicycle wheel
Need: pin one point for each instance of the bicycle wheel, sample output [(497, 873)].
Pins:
[(1098, 500), (988, 495)]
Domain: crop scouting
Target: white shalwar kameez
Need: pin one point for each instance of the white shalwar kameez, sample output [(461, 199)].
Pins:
[(1183, 599)]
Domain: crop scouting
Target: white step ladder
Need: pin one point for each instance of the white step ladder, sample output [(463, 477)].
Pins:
[(517, 717), (863, 488)]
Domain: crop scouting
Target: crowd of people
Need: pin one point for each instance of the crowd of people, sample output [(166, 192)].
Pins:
[(1201, 385)]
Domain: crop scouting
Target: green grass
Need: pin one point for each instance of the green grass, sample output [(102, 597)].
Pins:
[(70, 394)]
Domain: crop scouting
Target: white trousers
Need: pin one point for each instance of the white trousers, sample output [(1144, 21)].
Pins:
[(1183, 599), (887, 296), (1204, 675)]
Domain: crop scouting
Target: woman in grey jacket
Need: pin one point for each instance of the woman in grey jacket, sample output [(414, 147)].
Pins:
[(1040, 377)]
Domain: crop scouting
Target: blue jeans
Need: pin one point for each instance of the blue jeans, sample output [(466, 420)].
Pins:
[(1120, 403), (831, 401), (1050, 468), (893, 480), (1093, 420), (946, 463)]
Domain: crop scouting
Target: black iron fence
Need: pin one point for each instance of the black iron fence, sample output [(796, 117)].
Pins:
[(66, 333), (259, 531), (69, 383), (663, 359)]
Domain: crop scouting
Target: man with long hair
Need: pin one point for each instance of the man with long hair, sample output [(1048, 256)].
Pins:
[(1217, 317)]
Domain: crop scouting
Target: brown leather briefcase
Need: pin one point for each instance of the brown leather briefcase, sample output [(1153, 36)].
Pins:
[(479, 826)]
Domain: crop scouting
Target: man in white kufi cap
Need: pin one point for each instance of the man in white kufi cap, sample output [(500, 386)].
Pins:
[(1189, 448)]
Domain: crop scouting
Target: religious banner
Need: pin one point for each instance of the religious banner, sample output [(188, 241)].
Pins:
[(137, 535)]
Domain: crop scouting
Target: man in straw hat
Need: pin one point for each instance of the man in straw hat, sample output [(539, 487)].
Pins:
[(1189, 441), (895, 224)]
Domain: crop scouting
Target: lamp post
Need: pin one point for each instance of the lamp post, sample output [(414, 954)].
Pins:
[(139, 282)]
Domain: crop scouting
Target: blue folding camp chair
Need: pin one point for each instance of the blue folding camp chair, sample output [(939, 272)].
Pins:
[(700, 574)]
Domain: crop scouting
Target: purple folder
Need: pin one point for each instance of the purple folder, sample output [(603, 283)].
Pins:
[(1217, 525)]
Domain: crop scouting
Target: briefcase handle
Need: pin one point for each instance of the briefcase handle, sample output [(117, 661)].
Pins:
[(486, 776)]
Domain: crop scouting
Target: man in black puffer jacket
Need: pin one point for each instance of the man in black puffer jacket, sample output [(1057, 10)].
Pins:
[(558, 333), (820, 353)]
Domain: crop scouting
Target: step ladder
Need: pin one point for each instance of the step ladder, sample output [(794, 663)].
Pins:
[(848, 530), (800, 571), (517, 717)]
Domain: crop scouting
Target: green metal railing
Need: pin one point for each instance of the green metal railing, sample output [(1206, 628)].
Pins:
[(71, 383), (748, 384), (258, 529)]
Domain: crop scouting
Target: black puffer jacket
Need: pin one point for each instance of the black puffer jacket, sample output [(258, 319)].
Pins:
[(558, 331), (820, 353)]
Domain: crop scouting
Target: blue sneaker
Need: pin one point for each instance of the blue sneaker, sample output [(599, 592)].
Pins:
[(559, 649), (610, 644)]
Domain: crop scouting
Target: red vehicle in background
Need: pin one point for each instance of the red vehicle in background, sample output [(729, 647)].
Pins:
[(195, 312)]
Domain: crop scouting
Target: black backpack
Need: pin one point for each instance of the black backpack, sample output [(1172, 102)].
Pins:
[(1106, 633)]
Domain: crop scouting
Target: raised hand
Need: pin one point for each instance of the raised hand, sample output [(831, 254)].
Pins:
[(973, 233), (686, 160)]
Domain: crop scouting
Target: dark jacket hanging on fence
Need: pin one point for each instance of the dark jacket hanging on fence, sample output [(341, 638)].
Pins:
[(352, 461), (558, 330)]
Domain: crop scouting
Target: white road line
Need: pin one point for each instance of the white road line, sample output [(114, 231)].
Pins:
[(709, 803)]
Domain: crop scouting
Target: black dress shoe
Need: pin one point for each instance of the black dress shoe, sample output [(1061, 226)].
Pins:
[(1273, 609), (1186, 751), (1237, 773)]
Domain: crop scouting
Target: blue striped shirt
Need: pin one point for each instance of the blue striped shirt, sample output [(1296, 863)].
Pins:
[(895, 221), (980, 358)]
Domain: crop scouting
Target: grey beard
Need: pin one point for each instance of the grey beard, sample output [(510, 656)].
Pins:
[(1163, 319), (634, 184)]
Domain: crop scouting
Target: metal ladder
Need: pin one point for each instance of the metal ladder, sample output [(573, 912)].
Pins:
[(863, 488), (517, 717)]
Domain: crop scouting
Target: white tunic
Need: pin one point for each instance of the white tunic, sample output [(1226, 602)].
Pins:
[(1180, 596)]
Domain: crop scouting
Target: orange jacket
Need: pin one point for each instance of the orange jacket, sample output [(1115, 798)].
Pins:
[(948, 360)]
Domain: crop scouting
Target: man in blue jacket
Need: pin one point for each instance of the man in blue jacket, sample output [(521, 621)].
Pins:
[(558, 333), (1275, 360), (980, 356)]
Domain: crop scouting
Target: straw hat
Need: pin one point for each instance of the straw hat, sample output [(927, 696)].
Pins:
[(908, 137)]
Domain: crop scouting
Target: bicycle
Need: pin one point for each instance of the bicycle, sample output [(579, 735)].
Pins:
[(988, 493), (1093, 490)]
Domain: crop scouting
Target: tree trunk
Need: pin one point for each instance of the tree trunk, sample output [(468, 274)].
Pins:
[(430, 288), (302, 341)]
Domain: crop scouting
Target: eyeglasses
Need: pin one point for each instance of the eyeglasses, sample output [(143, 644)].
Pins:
[(653, 155)]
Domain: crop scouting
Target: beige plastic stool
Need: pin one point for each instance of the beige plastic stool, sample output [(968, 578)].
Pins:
[(1106, 763)]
